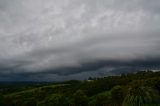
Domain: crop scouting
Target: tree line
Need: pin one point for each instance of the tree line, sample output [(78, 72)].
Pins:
[(132, 89)]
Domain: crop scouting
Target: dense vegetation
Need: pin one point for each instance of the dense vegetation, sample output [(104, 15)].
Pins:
[(136, 89)]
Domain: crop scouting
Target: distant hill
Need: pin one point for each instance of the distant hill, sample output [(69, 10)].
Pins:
[(131, 89)]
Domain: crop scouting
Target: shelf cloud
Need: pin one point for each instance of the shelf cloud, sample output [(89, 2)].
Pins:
[(74, 39)]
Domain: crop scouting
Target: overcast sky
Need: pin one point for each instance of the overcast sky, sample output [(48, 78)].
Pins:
[(74, 39)]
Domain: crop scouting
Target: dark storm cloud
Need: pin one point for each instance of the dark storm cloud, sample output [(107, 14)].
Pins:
[(68, 39)]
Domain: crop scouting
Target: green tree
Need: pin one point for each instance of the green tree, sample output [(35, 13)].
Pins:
[(102, 100), (30, 102), (39, 95), (80, 99), (1, 100), (56, 100), (139, 96), (117, 95)]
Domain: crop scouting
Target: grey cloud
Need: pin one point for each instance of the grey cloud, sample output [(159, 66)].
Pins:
[(69, 38)]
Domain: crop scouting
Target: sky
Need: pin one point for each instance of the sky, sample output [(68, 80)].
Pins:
[(56, 40)]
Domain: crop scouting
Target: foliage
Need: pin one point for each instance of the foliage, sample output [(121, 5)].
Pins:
[(140, 96), (80, 98), (55, 100), (117, 95), (101, 99), (1, 100), (133, 89)]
